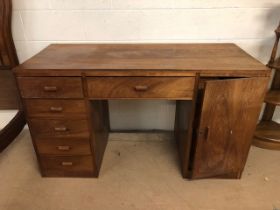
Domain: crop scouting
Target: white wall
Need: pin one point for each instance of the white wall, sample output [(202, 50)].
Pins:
[(248, 23)]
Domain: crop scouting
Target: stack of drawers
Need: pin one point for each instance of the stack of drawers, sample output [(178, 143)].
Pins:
[(56, 112)]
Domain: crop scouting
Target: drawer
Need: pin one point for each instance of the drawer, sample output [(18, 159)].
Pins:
[(55, 108), (67, 166), (63, 146), (50, 87), (47, 129), (141, 87)]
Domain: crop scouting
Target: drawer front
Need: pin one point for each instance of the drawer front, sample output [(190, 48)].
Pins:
[(63, 146), (48, 87), (67, 166), (47, 129), (55, 108), (141, 87)]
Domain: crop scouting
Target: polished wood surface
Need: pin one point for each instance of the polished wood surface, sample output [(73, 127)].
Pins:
[(66, 88), (206, 59), (228, 120), (140, 88)]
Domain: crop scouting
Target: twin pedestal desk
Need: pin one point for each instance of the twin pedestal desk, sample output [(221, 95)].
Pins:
[(218, 89)]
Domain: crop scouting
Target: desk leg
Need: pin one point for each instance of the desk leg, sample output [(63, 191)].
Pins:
[(183, 133), (100, 130)]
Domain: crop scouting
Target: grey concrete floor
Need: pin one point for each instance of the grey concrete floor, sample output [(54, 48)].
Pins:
[(139, 171)]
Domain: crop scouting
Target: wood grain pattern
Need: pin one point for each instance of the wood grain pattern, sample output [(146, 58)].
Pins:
[(228, 120), (44, 87), (206, 59), (62, 166), (140, 88), (55, 108)]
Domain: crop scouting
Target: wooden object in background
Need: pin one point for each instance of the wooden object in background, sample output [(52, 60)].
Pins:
[(268, 132), (8, 93), (218, 103)]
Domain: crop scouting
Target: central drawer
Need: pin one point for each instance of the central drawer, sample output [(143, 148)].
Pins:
[(140, 87)]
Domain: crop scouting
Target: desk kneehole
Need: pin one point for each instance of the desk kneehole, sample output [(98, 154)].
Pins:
[(141, 87)]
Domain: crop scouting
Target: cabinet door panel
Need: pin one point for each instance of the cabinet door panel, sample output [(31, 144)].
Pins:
[(229, 115)]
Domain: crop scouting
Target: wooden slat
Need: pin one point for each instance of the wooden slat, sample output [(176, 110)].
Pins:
[(273, 97), (268, 131)]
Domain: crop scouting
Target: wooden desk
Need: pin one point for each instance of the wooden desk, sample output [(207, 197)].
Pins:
[(218, 88)]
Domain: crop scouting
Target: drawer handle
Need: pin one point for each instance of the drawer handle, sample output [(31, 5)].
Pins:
[(60, 129), (56, 109), (63, 148), (141, 88), (50, 88), (67, 163)]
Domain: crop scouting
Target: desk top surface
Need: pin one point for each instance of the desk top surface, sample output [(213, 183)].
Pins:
[(107, 59)]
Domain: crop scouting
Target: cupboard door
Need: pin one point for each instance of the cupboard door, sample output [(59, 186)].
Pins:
[(229, 115)]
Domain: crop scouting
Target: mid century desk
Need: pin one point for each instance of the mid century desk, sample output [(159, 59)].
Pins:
[(218, 90)]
